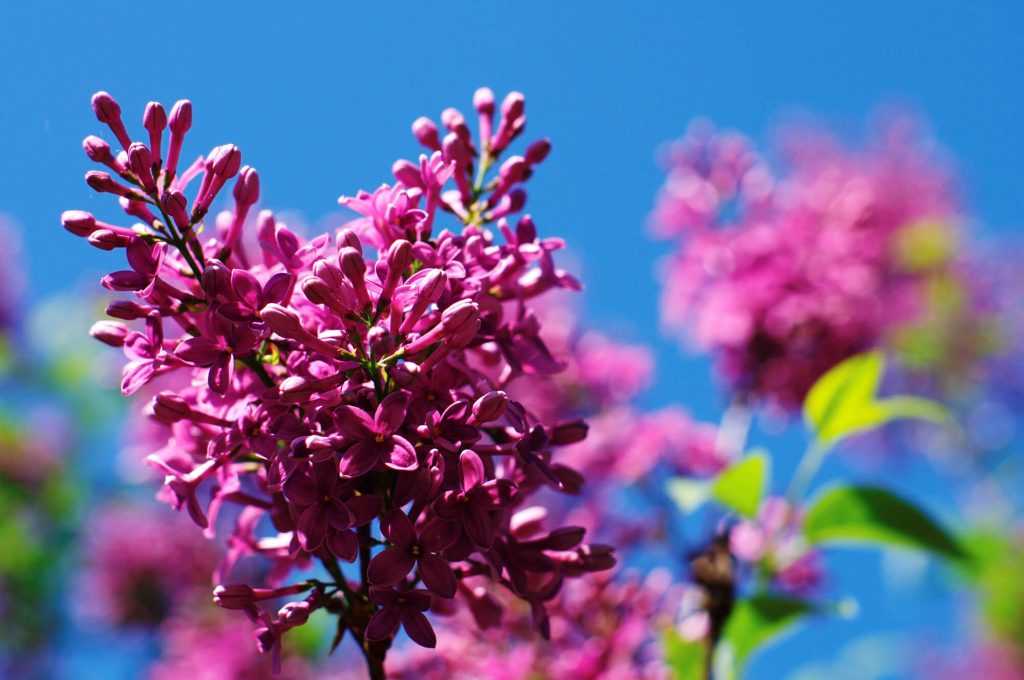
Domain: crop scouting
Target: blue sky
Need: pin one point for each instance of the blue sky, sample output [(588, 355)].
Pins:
[(320, 97)]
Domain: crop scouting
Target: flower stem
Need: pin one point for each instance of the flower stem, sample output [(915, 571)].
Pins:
[(805, 471)]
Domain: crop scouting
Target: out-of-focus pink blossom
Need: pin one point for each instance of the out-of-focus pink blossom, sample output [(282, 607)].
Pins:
[(782, 275), (217, 648), (774, 543), (139, 563)]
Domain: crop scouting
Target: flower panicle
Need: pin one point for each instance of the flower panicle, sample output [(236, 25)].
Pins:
[(350, 397)]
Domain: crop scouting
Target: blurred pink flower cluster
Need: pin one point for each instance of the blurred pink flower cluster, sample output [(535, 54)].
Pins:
[(351, 394), (601, 629), (783, 273), (140, 566)]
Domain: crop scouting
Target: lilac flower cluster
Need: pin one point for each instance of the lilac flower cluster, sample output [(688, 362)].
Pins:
[(783, 275), (348, 393)]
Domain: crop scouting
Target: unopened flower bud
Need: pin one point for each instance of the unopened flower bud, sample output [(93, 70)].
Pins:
[(426, 133), (110, 332), (490, 407), (399, 258), (98, 151), (226, 161), (569, 433), (175, 204), (247, 186), (154, 119), (169, 407), (128, 310), (408, 173), (103, 183), (234, 596), (460, 316), (180, 121), (538, 151), (140, 161), (181, 117), (105, 239), (354, 267), (108, 111), (78, 222), (347, 238), (483, 101)]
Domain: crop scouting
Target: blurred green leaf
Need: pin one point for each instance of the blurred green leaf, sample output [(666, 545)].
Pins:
[(686, 658), (689, 494), (741, 486), (859, 514), (755, 621), (843, 402)]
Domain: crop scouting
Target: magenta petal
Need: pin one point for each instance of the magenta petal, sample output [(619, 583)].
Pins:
[(436, 534), (398, 528), (325, 475), (344, 545), (338, 515), (246, 288), (278, 288), (235, 312), (390, 566), (311, 528), (401, 455), (418, 627), (221, 373), (438, 576), (384, 623), (364, 509), (477, 523), (302, 490), (471, 470), (354, 423), (497, 493), (125, 280), (136, 374), (200, 351), (359, 459), (391, 412)]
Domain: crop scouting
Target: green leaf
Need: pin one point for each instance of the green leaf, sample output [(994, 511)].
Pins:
[(686, 658), (741, 486), (848, 514), (689, 494), (757, 620), (843, 402)]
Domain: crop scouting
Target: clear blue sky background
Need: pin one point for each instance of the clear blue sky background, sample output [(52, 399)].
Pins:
[(320, 95)]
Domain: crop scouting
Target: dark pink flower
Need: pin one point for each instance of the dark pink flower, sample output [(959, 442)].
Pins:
[(410, 549), (401, 607), (374, 440)]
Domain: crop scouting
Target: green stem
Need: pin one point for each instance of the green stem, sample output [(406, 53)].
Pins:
[(805, 471)]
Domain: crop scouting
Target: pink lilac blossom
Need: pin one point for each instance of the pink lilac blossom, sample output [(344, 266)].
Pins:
[(219, 649), (782, 275), (139, 565), (601, 382), (334, 383), (601, 629), (773, 543)]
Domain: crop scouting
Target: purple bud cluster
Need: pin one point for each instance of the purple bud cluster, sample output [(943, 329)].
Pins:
[(348, 397)]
